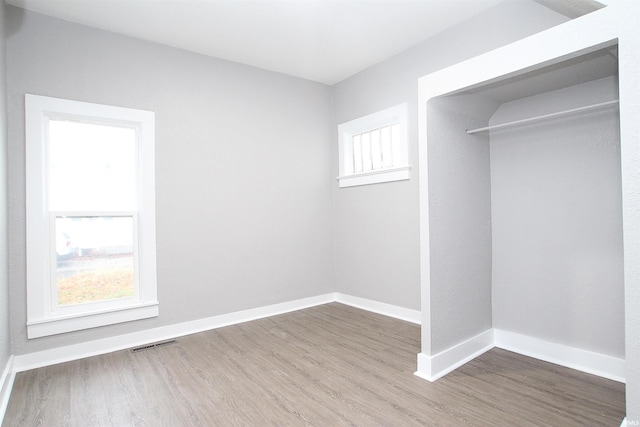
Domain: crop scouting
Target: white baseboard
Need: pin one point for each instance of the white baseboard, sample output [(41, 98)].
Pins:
[(434, 367), (571, 357), (429, 367), (6, 384), (406, 314), (93, 348), (121, 342)]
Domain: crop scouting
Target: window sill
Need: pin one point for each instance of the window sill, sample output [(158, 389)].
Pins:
[(374, 177), (76, 322)]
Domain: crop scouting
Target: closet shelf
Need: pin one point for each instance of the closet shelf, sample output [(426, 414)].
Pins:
[(544, 116)]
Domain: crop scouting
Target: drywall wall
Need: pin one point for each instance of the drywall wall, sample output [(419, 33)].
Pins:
[(459, 220), (557, 220), (5, 342), (377, 226), (243, 183)]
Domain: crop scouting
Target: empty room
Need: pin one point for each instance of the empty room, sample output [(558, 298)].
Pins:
[(319, 212)]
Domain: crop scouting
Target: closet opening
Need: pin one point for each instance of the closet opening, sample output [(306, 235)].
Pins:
[(557, 262), (525, 214), (529, 235)]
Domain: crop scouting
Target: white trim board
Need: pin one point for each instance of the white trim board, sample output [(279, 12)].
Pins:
[(571, 357), (434, 367), (406, 314), (121, 342), (437, 366), (429, 367), (6, 384)]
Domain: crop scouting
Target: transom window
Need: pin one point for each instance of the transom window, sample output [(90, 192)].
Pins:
[(90, 215), (373, 148)]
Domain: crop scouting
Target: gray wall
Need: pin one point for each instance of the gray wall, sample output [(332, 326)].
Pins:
[(5, 343), (459, 220), (377, 226), (557, 221), (239, 240), (243, 169)]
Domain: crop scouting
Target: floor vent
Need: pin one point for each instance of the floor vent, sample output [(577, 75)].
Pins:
[(151, 346)]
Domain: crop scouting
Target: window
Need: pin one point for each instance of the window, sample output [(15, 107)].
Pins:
[(90, 215), (373, 148)]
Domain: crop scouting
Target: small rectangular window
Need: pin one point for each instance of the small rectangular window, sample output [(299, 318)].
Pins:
[(373, 148), (90, 215)]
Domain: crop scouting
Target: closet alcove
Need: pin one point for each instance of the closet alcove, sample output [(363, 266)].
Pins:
[(526, 203), (530, 232), (556, 208)]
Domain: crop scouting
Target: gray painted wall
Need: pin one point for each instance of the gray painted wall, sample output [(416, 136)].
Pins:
[(459, 220), (5, 342), (243, 169), (557, 221), (377, 226)]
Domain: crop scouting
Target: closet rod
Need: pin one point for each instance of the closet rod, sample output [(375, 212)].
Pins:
[(542, 117)]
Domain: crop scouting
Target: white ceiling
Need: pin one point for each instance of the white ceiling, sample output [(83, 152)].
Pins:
[(321, 40)]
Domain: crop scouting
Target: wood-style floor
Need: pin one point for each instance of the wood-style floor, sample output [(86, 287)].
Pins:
[(331, 365)]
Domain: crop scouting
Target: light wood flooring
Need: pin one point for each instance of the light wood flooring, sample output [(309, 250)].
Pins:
[(331, 365)]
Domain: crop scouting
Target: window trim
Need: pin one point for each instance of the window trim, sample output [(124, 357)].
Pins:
[(42, 318), (346, 131)]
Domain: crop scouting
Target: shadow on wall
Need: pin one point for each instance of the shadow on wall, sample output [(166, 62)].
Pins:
[(13, 25)]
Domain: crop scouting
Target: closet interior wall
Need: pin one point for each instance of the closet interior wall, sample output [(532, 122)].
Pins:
[(556, 198), (526, 222), (459, 219)]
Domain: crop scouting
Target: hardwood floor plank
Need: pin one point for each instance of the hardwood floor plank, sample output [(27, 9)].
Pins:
[(331, 365)]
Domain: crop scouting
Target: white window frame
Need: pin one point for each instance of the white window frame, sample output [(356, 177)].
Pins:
[(44, 316), (400, 170)]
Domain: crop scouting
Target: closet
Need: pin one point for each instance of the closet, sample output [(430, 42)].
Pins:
[(525, 212), (556, 209), (530, 232), (535, 160)]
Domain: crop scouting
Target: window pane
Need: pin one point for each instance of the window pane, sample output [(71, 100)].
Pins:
[(385, 139), (91, 167), (95, 259), (357, 154), (395, 141), (366, 152), (376, 150)]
